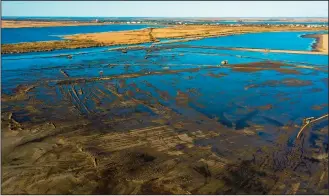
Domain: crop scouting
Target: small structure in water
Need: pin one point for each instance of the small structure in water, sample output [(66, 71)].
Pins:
[(225, 62), (147, 72), (69, 56), (101, 73), (307, 120), (266, 51)]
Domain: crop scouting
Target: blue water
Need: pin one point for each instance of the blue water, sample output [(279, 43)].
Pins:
[(16, 35), (290, 58), (270, 40), (219, 96)]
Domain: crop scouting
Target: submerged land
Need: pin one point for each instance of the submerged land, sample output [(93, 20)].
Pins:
[(164, 118)]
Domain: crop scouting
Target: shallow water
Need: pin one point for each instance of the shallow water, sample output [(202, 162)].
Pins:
[(269, 40), (89, 65)]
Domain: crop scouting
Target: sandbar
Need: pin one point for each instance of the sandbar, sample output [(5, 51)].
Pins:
[(281, 51), (321, 44)]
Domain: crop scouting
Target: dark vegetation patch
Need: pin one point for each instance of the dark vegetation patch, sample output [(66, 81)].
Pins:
[(288, 82), (265, 65), (319, 107)]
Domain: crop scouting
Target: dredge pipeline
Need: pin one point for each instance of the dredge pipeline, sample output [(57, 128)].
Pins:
[(308, 123)]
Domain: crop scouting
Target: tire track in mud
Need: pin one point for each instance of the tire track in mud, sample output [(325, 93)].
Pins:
[(73, 96)]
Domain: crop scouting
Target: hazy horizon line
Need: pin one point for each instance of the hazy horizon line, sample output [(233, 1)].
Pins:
[(181, 16)]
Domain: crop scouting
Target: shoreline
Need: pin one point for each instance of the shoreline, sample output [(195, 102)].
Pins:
[(47, 22), (146, 35), (35, 24), (12, 24), (321, 42)]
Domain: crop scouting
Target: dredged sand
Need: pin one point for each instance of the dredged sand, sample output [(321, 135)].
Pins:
[(321, 44)]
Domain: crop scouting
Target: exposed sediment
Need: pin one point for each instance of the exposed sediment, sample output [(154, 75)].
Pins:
[(321, 44), (94, 139)]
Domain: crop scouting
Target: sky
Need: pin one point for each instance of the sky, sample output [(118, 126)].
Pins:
[(166, 9)]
